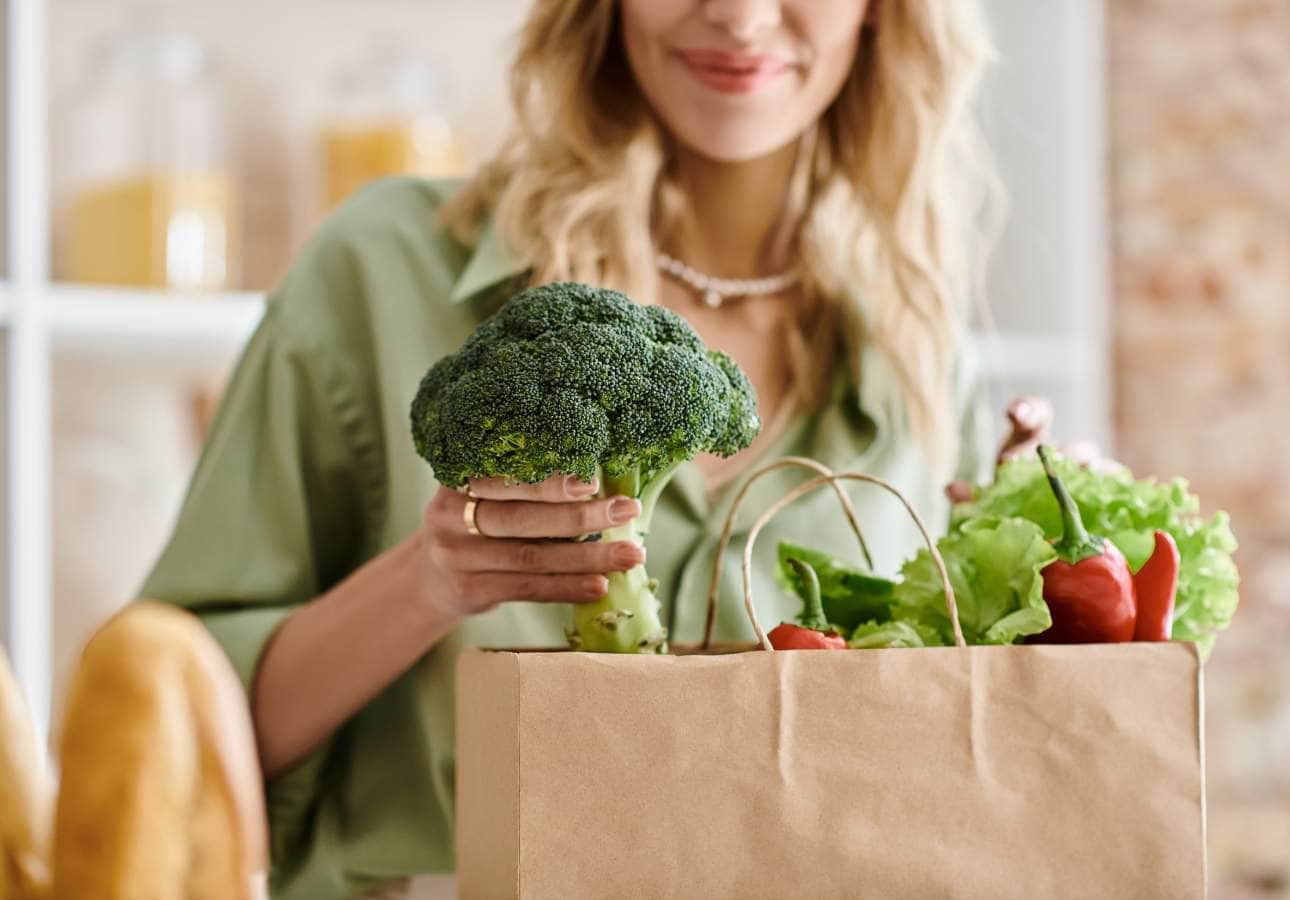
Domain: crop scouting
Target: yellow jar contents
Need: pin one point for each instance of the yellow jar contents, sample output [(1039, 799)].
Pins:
[(357, 153), (168, 229)]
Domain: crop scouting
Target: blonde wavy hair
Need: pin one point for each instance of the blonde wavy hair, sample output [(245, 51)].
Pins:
[(891, 184)]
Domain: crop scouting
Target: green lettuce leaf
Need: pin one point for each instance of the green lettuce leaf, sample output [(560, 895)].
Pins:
[(872, 635), (1208, 583), (1128, 511), (993, 565), (850, 595)]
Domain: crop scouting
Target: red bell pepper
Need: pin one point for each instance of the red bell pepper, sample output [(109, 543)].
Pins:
[(815, 632), (1156, 585), (1089, 588)]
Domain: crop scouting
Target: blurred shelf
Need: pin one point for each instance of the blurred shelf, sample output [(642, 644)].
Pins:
[(201, 332), (188, 332)]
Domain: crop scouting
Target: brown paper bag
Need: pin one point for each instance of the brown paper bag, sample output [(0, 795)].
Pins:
[(974, 772)]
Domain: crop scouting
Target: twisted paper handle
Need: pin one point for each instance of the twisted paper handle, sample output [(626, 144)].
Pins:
[(833, 478), (729, 528)]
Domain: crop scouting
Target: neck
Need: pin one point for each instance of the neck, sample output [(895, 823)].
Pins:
[(737, 221)]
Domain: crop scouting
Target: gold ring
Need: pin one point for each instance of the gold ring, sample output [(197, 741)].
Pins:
[(468, 516)]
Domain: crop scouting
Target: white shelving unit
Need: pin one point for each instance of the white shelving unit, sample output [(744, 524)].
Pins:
[(27, 585), (199, 333), (1044, 118)]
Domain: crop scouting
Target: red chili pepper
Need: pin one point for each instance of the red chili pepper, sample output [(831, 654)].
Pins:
[(815, 632), (1089, 587), (1156, 585)]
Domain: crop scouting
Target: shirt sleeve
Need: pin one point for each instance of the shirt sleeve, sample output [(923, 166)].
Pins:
[(276, 512)]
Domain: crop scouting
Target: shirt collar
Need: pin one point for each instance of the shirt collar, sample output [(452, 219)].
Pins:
[(490, 264)]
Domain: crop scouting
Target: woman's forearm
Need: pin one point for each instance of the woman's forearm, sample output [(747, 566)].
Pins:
[(337, 652), (334, 654)]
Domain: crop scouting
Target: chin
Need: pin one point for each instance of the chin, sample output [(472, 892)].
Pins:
[(733, 145)]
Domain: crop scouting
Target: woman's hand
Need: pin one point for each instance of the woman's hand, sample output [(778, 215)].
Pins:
[(333, 655), (522, 549), (1030, 418)]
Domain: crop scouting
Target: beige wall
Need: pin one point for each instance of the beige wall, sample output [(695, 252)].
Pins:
[(1200, 120)]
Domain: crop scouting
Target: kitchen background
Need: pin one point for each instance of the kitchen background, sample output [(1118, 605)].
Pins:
[(166, 158)]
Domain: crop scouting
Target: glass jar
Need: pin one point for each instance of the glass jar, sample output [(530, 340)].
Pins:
[(150, 189), (388, 115)]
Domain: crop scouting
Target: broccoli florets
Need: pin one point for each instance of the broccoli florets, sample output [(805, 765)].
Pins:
[(581, 380)]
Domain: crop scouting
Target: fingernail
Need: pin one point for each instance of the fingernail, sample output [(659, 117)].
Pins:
[(576, 487), (623, 510), (629, 557)]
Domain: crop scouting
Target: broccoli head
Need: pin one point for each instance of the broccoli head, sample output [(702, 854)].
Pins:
[(580, 380)]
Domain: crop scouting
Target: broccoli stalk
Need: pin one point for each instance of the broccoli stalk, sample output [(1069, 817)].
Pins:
[(626, 619), (580, 380)]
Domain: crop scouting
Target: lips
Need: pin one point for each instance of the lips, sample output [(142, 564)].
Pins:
[(732, 72)]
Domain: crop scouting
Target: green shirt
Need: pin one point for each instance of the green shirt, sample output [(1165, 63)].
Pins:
[(309, 471)]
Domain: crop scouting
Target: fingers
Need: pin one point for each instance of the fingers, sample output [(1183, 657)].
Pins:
[(509, 560), (1020, 450), (1030, 417), (528, 519), (551, 557), (958, 491), (1083, 453), (556, 489), (1089, 455), (496, 587)]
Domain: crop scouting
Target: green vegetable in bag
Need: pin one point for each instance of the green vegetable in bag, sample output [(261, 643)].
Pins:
[(994, 566), (1129, 511), (850, 595)]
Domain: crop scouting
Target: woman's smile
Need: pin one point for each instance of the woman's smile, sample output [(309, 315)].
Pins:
[(737, 80), (733, 72)]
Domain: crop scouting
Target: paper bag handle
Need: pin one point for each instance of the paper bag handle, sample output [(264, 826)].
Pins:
[(834, 478), (729, 528)]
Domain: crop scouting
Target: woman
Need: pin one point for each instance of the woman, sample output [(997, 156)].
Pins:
[(817, 144)]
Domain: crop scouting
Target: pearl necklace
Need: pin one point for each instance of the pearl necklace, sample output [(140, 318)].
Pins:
[(716, 291)]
